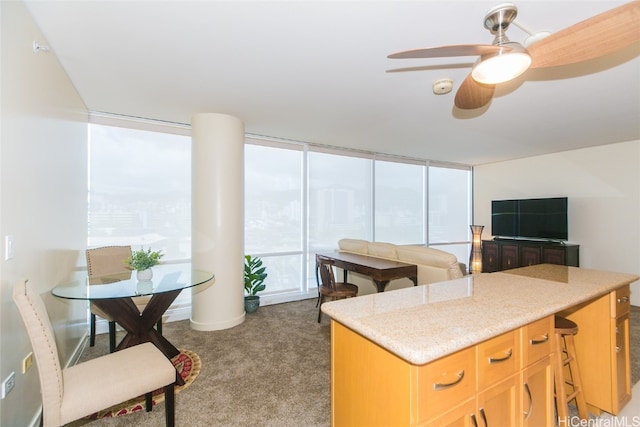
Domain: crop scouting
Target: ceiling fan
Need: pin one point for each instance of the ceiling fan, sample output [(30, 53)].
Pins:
[(504, 60)]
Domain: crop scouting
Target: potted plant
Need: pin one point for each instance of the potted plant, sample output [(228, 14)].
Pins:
[(142, 261), (254, 275)]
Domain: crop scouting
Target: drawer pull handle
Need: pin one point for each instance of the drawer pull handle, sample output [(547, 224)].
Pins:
[(484, 417), (623, 300), (473, 420), (440, 386), (528, 411), (543, 340), (507, 356)]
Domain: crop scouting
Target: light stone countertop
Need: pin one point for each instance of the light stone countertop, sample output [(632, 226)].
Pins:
[(423, 323)]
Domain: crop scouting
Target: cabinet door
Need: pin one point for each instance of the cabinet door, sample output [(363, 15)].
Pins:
[(461, 416), (554, 255), (509, 257), (537, 395), (529, 255), (500, 404), (621, 368), (490, 257)]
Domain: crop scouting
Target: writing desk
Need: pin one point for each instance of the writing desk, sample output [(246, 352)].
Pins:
[(113, 293), (381, 271)]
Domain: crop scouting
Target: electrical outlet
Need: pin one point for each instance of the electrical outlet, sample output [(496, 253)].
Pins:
[(8, 384), (27, 362)]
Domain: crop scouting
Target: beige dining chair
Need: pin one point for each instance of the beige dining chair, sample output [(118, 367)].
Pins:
[(110, 260), (81, 390)]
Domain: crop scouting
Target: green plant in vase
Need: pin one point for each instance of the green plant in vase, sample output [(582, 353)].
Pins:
[(254, 277), (142, 261)]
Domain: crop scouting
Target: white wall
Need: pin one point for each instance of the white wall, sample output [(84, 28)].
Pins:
[(603, 186), (43, 197)]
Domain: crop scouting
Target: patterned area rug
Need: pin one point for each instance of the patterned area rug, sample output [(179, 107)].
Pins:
[(187, 364)]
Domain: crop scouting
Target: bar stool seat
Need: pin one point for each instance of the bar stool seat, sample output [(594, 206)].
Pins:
[(568, 385)]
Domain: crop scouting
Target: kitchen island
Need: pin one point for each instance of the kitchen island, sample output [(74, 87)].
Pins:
[(447, 352)]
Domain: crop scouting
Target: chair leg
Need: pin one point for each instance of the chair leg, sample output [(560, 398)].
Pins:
[(159, 326), (170, 405), (112, 336), (92, 330), (320, 301), (148, 402)]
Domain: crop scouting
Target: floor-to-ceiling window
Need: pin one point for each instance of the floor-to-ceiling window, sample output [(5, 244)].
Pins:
[(274, 213), (400, 201), (299, 199)]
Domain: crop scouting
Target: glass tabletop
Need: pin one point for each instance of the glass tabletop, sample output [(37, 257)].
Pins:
[(166, 278)]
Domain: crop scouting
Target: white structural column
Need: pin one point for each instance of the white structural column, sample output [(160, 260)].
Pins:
[(217, 220)]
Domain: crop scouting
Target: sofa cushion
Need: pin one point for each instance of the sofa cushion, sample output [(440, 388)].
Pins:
[(354, 245), (383, 250), (423, 255)]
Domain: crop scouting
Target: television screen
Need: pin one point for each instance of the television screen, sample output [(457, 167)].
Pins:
[(530, 218)]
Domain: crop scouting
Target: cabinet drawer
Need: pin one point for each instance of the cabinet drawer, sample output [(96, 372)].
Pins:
[(537, 340), (446, 383), (498, 358), (620, 301)]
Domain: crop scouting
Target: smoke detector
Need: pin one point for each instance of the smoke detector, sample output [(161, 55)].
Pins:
[(442, 86)]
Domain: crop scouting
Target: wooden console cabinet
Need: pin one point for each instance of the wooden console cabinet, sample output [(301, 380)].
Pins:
[(498, 255)]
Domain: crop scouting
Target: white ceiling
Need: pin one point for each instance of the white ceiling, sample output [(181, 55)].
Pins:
[(317, 71)]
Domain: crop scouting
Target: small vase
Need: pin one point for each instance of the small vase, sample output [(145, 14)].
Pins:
[(144, 275), (251, 303)]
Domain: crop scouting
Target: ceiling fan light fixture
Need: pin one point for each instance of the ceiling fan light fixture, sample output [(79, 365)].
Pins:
[(502, 66)]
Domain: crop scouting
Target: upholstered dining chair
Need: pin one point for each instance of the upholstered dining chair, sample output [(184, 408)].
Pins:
[(110, 260), (329, 288), (81, 390)]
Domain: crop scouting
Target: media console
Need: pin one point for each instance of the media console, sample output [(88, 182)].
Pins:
[(505, 254)]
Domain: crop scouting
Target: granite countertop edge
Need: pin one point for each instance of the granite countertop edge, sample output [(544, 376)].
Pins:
[(424, 323)]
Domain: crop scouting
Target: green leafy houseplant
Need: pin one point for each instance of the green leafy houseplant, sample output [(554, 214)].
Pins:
[(142, 260), (254, 275)]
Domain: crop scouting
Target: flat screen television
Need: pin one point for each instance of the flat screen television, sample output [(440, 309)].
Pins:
[(540, 219)]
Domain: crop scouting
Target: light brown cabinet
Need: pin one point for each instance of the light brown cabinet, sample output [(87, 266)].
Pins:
[(503, 381), (602, 347)]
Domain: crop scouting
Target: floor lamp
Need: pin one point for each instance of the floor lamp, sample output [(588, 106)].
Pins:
[(475, 259)]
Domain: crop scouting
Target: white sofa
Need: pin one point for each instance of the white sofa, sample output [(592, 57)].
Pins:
[(434, 265)]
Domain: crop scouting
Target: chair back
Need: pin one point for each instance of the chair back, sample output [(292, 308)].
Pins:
[(36, 320), (108, 260), (327, 279)]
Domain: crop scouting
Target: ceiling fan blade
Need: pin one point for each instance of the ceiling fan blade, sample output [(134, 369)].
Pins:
[(443, 51), (472, 94), (597, 36)]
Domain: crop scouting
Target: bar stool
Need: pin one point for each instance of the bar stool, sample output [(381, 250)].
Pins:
[(565, 354)]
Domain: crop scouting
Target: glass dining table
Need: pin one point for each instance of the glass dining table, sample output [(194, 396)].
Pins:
[(113, 294)]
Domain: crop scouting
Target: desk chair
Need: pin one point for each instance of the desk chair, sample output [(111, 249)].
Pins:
[(81, 390), (110, 260), (329, 288)]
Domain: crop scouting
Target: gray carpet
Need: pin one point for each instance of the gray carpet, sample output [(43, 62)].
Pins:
[(273, 370)]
